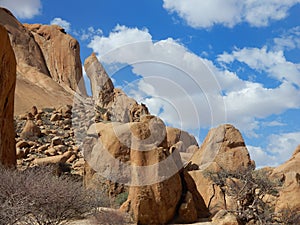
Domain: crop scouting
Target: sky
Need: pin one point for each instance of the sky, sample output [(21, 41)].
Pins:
[(195, 63)]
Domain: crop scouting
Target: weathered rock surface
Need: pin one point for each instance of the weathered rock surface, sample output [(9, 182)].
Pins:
[(112, 103), (7, 88), (101, 85), (225, 218), (150, 201), (222, 150), (290, 173), (62, 55), (225, 146), (137, 154), (175, 135), (35, 85)]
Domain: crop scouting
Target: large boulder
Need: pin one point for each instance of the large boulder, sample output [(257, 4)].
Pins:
[(225, 146), (7, 89), (154, 196)]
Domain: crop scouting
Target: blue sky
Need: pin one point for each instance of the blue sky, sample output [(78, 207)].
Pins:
[(196, 63)]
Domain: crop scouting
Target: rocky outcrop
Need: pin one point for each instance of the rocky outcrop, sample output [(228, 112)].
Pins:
[(137, 154), (225, 146), (62, 55), (112, 103), (35, 85), (223, 149), (7, 88), (289, 172)]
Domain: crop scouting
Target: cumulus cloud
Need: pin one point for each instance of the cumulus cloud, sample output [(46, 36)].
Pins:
[(188, 91), (62, 23), (205, 14), (272, 62), (280, 149), (23, 9)]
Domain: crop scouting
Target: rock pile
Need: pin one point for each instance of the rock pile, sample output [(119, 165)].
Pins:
[(46, 136)]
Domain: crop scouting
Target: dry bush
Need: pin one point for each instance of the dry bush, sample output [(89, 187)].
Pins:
[(248, 188), (37, 196)]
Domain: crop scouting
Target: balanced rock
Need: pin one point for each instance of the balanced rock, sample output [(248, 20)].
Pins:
[(7, 89), (101, 85), (112, 103)]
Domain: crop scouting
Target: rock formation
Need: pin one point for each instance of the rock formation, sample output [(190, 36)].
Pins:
[(101, 85), (7, 88), (222, 150), (62, 55), (112, 103), (35, 65), (290, 173), (138, 155), (225, 146)]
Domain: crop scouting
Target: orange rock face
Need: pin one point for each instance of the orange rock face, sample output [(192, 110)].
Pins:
[(48, 65), (62, 55), (7, 88), (225, 146)]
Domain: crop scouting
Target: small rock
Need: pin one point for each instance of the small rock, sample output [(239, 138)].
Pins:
[(224, 217), (43, 148), (56, 141), (55, 117), (20, 153), (38, 117), (34, 110), (22, 144), (51, 152), (53, 159), (72, 158)]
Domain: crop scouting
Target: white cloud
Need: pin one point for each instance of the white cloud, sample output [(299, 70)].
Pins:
[(62, 23), (87, 34), (182, 87), (205, 14), (23, 9), (289, 40), (280, 149), (272, 62)]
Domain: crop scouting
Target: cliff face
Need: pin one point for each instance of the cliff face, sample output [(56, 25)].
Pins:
[(7, 88), (62, 55), (49, 69)]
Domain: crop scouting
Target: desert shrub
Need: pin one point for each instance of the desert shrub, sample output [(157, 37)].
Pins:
[(38, 196), (248, 188), (289, 216), (121, 198)]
